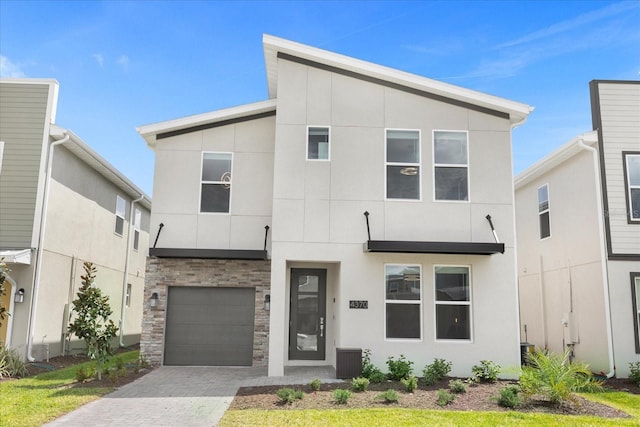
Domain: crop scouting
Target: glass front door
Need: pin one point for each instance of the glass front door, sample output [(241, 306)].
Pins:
[(307, 326)]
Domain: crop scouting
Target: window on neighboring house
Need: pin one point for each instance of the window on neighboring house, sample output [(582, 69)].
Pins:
[(635, 302), (403, 164), (127, 297), (136, 229), (453, 303), (543, 211), (318, 143), (121, 206), (451, 165), (632, 172), (403, 299), (1, 154), (216, 182)]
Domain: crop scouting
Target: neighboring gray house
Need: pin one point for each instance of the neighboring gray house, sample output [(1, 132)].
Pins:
[(578, 228), (61, 204), (347, 211)]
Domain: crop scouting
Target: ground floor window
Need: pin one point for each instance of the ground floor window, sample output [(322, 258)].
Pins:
[(635, 300), (403, 302), (452, 303)]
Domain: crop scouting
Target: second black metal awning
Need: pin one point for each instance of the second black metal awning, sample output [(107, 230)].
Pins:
[(463, 248)]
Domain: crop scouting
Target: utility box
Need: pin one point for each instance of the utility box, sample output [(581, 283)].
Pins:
[(348, 363)]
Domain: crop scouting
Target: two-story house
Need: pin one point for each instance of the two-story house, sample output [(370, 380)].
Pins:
[(578, 228), (355, 208), (62, 204)]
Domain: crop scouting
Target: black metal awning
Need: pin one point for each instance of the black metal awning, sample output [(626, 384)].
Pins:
[(208, 253), (464, 248)]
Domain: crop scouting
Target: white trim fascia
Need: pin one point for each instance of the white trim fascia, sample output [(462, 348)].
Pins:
[(554, 159), (272, 45), (149, 132)]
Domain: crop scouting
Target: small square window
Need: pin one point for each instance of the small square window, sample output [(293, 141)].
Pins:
[(318, 143)]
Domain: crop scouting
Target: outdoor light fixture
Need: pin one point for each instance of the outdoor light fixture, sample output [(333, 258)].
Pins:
[(267, 302), (153, 301), (19, 295)]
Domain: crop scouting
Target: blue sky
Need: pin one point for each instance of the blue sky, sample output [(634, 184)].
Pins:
[(125, 64)]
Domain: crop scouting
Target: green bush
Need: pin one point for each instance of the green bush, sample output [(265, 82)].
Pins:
[(84, 373), (555, 377), (485, 372), (377, 377), (435, 371), (289, 395), (315, 384), (634, 374), (410, 383), (444, 397), (369, 370), (360, 384), (457, 386), (389, 396), (399, 369), (119, 362), (508, 397), (11, 364), (341, 396)]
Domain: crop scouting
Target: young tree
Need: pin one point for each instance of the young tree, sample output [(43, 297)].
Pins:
[(4, 272), (91, 322)]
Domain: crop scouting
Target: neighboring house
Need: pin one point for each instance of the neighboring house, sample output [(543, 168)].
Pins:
[(61, 204), (347, 211), (578, 228)]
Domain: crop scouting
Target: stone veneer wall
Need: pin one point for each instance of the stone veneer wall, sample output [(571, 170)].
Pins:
[(164, 272)]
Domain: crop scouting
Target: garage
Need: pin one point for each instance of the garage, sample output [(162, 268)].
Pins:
[(209, 326)]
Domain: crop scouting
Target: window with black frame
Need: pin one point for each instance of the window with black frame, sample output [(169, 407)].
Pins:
[(453, 303)]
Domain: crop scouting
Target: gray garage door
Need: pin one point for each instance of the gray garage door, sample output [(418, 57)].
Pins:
[(209, 326)]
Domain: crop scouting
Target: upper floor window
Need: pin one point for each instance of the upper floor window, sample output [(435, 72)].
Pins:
[(215, 192), (136, 229), (403, 299), (543, 211), (451, 165), (635, 303), (318, 143), (632, 181), (453, 303), (121, 206), (403, 164)]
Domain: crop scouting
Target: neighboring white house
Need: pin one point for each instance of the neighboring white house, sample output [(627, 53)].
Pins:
[(350, 210), (578, 228), (61, 204)]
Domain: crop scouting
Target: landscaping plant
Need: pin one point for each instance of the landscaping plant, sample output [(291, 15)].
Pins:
[(457, 386), (399, 369), (289, 395), (91, 322), (4, 272), (360, 384), (11, 364), (634, 373), (389, 396), (341, 396), (315, 384), (444, 397), (84, 373), (369, 370), (410, 383), (555, 377), (508, 397), (485, 372), (435, 371)]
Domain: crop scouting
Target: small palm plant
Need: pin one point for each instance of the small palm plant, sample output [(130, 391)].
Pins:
[(556, 377)]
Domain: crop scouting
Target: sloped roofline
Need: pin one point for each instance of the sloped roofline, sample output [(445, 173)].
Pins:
[(275, 46), (555, 158)]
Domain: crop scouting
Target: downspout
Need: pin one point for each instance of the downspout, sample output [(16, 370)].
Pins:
[(126, 270), (603, 255), (38, 267)]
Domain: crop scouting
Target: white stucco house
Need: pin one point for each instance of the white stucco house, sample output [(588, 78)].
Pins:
[(62, 204), (578, 228), (354, 208)]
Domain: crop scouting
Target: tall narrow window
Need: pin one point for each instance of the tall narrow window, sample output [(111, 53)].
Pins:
[(635, 303), (403, 299), (216, 182), (318, 143), (451, 166), (136, 229), (453, 303), (127, 297), (1, 153), (543, 211), (632, 172), (121, 206), (403, 164)]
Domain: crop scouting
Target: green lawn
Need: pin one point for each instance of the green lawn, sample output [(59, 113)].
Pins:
[(411, 417), (36, 400)]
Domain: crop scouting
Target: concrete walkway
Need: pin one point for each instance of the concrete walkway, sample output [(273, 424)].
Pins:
[(182, 396)]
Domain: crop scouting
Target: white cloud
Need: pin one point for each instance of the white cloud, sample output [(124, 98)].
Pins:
[(123, 61), (99, 59), (9, 68)]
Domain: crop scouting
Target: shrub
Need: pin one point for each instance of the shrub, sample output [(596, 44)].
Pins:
[(119, 362), (485, 372), (369, 370), (508, 397), (555, 377), (457, 386), (444, 397), (389, 396), (341, 396), (11, 364), (437, 370), (315, 384), (4, 272), (399, 369), (360, 384), (289, 395), (113, 374), (634, 374), (84, 373), (410, 383), (377, 377)]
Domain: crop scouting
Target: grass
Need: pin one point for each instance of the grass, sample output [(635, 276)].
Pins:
[(410, 417), (36, 400)]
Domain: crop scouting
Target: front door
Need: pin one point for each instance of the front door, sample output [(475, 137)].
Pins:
[(307, 325)]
